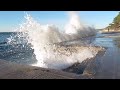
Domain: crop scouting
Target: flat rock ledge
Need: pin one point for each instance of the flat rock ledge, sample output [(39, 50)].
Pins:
[(10, 70)]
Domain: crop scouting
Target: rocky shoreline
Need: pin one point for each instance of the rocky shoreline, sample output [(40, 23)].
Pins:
[(86, 67), (111, 31), (84, 70), (10, 70)]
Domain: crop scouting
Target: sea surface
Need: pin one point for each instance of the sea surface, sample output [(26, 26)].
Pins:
[(20, 52)]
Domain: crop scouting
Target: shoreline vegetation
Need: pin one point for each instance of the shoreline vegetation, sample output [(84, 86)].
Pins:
[(113, 27)]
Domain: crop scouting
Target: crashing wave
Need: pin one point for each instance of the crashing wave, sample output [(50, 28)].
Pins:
[(43, 38)]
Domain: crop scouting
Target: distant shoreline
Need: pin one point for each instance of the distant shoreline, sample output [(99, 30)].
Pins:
[(110, 32)]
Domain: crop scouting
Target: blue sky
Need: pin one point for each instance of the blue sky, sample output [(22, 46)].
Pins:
[(11, 19)]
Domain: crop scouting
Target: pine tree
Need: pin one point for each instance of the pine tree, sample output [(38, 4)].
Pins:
[(116, 23)]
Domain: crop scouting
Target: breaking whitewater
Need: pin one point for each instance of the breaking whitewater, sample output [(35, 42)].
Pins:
[(54, 48)]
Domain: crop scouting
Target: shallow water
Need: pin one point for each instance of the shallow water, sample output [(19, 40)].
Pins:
[(106, 65), (109, 63)]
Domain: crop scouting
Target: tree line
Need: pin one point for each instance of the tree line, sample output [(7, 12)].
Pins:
[(115, 25)]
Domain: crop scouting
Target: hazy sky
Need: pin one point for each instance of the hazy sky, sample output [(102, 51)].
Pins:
[(11, 19)]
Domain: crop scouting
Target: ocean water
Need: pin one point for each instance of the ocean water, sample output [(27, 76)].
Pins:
[(47, 46), (19, 53), (23, 53)]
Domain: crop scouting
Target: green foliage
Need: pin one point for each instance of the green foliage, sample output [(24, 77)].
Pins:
[(116, 23), (117, 19)]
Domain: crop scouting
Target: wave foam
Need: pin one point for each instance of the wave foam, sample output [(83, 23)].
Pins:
[(43, 39)]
